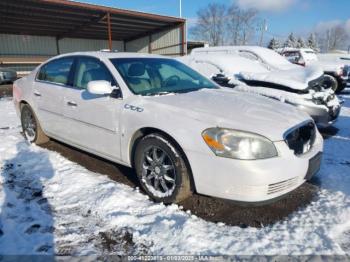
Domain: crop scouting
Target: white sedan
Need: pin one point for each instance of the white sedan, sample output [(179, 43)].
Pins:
[(180, 131)]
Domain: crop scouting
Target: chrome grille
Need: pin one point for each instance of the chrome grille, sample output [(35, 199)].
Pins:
[(301, 138)]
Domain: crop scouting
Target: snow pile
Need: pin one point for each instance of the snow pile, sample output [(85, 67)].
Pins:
[(327, 96), (50, 204)]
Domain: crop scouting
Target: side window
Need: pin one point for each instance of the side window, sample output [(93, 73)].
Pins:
[(292, 56), (90, 69), (249, 55), (56, 71)]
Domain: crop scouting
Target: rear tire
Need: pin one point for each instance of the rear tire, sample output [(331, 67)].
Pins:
[(162, 170), (31, 126)]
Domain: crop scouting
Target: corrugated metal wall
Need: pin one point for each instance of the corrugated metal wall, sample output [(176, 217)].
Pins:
[(167, 42), (139, 45), (46, 46), (161, 42), (67, 45), (27, 45)]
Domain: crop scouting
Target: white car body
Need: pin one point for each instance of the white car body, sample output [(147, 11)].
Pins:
[(251, 76), (336, 65), (107, 127)]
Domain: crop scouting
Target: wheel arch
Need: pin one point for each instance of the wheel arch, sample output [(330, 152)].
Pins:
[(142, 132)]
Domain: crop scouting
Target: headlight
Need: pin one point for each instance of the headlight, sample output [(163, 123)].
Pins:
[(238, 145)]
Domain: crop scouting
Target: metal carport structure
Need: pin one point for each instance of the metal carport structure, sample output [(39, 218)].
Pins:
[(64, 19)]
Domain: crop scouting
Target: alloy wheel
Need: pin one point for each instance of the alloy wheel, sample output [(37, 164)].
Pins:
[(158, 172)]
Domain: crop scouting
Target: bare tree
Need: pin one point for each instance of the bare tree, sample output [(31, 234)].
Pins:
[(241, 25), (334, 37), (211, 24), (337, 37)]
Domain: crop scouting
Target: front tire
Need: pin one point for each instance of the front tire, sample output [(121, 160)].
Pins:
[(31, 126), (330, 82), (162, 170)]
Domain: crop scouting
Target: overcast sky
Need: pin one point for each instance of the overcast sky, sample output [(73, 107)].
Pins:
[(283, 16)]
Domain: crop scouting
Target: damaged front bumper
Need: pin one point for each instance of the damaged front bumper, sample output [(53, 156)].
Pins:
[(323, 116)]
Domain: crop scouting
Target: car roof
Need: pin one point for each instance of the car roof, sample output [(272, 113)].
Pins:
[(111, 55), (222, 48)]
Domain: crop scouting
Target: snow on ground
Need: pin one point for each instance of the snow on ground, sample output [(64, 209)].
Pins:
[(50, 204)]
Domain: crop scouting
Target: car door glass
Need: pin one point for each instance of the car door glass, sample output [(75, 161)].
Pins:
[(56, 71), (90, 69), (249, 55)]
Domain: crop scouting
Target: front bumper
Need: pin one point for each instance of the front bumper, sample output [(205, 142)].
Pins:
[(322, 117), (252, 181)]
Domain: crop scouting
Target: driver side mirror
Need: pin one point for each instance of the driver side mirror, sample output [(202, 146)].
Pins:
[(103, 87), (100, 87)]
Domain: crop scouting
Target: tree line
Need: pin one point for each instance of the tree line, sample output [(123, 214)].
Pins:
[(220, 24), (228, 24), (294, 42)]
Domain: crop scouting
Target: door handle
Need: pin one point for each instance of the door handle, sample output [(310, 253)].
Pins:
[(71, 103), (36, 93)]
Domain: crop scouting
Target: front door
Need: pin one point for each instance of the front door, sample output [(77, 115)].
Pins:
[(92, 120)]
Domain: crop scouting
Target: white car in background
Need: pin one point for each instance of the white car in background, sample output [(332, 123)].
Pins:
[(300, 87), (335, 66), (179, 130)]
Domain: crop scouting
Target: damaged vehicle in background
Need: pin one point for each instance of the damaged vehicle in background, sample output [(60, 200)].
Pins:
[(7, 75), (336, 67), (180, 131), (297, 86)]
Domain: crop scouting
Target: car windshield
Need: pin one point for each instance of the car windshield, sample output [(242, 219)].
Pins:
[(272, 57), (156, 76)]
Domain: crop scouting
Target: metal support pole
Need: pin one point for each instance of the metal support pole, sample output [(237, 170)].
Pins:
[(150, 44), (183, 39), (181, 8), (109, 31), (57, 45)]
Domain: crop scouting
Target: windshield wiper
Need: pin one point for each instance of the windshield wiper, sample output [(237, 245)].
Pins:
[(159, 93)]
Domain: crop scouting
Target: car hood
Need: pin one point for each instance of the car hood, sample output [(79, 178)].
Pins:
[(329, 65), (296, 78), (227, 108)]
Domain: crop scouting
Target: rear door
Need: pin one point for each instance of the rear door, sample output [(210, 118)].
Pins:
[(92, 120), (50, 83)]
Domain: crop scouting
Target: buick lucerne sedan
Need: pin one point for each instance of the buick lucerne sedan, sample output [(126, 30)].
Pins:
[(180, 131)]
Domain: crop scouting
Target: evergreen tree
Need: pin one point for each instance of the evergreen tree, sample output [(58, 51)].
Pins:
[(312, 42), (291, 41), (273, 44), (300, 43)]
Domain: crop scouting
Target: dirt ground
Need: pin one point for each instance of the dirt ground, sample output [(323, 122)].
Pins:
[(5, 90), (208, 208)]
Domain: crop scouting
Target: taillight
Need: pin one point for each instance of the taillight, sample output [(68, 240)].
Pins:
[(341, 71), (16, 92)]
